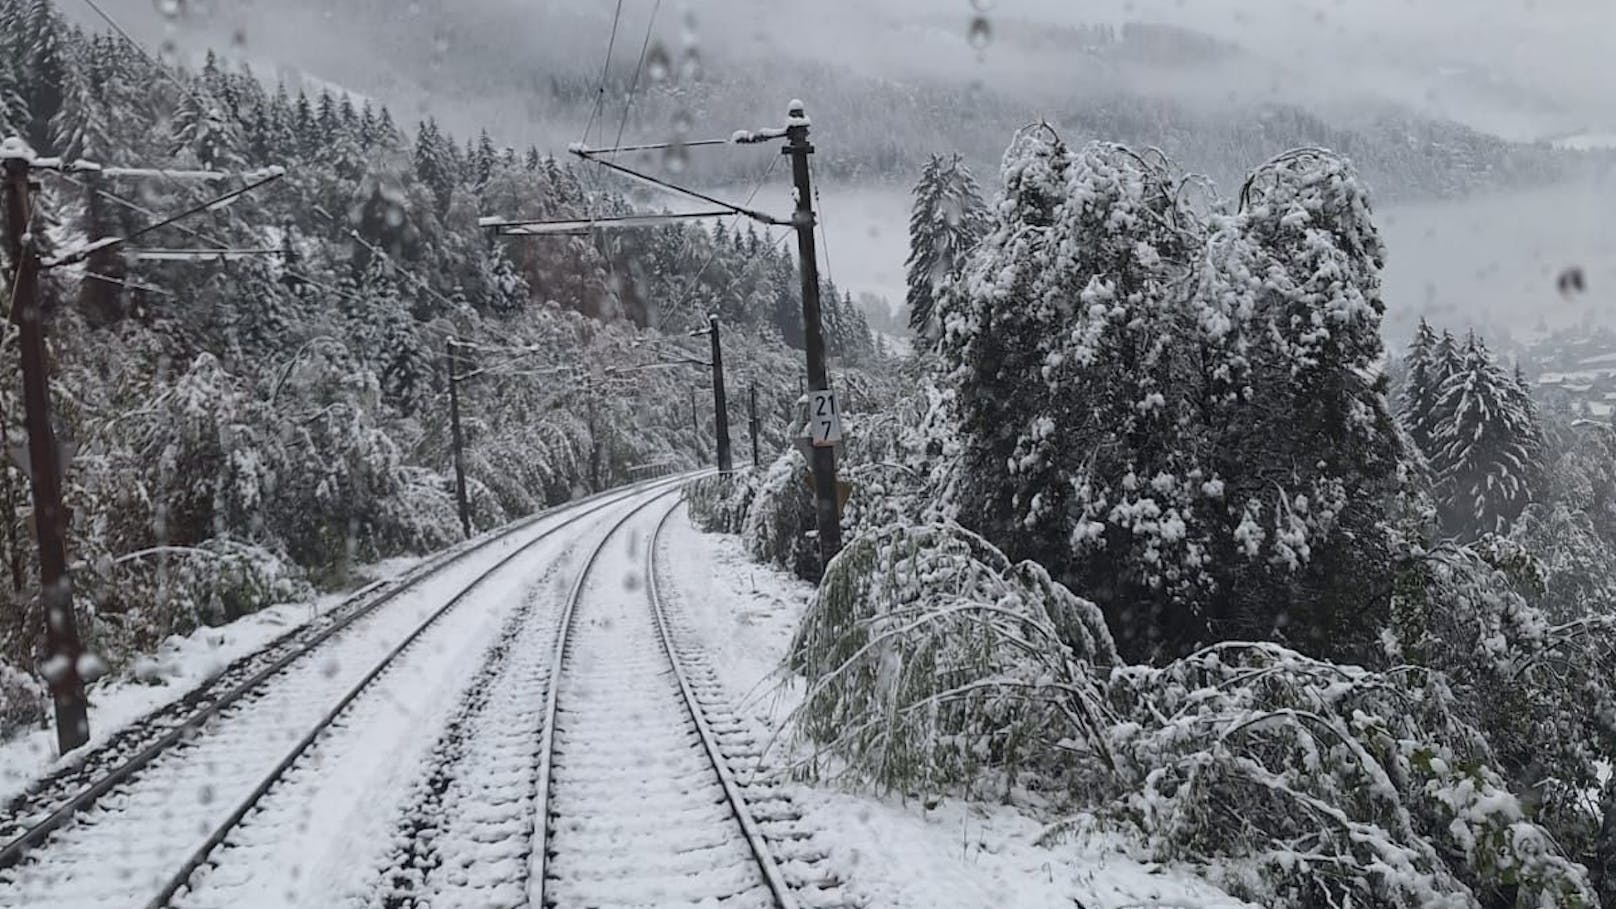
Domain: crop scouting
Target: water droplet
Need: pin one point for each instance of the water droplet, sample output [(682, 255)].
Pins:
[(330, 667), (1571, 281), (91, 667), (238, 40), (657, 64), (205, 794), (981, 32), (690, 65), (676, 158), (983, 6), (169, 8)]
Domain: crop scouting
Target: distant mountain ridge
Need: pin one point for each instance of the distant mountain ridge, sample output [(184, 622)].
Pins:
[(537, 72)]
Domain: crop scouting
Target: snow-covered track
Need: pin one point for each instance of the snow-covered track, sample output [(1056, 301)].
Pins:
[(466, 836), (639, 805), (309, 670)]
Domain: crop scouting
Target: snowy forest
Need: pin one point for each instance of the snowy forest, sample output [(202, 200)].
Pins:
[(1148, 528), (1155, 537), (243, 430)]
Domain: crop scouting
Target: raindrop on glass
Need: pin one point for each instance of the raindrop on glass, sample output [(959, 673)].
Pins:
[(1571, 282), (676, 157), (690, 65), (91, 667), (981, 32), (169, 8), (657, 64)]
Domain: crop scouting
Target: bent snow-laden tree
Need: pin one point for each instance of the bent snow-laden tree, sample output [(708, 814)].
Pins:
[(1297, 421), (1185, 421)]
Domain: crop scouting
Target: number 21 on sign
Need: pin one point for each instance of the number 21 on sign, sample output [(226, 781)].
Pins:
[(824, 419)]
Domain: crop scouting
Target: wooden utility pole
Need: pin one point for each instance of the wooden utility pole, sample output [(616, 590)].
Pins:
[(752, 422), (824, 457), (62, 645), (459, 439), (720, 401)]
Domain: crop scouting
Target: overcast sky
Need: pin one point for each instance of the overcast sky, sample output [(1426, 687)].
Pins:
[(1521, 68)]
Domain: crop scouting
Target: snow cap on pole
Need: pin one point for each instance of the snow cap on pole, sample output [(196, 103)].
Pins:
[(13, 148)]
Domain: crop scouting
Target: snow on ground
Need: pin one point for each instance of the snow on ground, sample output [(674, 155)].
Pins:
[(891, 854), (181, 664)]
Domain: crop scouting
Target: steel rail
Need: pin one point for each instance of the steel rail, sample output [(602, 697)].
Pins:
[(783, 897), (199, 857), (15, 850)]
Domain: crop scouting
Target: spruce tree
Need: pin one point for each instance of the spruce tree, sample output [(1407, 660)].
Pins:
[(1421, 386), (947, 220), (433, 164), (1488, 448), (43, 73)]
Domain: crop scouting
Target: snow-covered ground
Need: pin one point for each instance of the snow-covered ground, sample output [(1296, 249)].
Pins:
[(360, 780), (181, 664), (891, 854)]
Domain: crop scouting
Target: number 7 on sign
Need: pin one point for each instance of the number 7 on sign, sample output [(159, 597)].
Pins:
[(824, 420)]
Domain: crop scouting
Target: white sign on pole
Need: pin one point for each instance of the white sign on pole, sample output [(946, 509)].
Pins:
[(824, 419)]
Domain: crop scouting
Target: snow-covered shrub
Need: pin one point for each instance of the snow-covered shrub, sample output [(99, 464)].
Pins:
[(721, 502), (421, 516), (1295, 782), (932, 661), (22, 702), (1542, 692), (780, 523), (138, 599)]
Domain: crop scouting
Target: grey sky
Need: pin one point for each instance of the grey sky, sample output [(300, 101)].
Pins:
[(1521, 68)]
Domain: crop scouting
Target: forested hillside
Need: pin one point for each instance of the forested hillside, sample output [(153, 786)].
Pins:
[(240, 429)]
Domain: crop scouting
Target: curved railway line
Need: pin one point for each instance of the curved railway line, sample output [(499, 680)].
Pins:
[(33, 815), (576, 753)]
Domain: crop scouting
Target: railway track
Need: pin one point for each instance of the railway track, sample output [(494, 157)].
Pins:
[(132, 818), (638, 801), (595, 770)]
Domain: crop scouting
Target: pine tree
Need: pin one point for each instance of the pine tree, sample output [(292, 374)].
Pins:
[(433, 165), (325, 117), (368, 127), (1417, 402), (304, 128), (44, 71), (946, 222), (483, 158), (201, 128), (1488, 450)]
